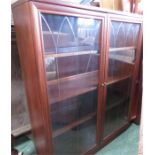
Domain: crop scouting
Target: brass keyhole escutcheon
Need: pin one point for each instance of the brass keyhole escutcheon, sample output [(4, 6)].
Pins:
[(102, 84)]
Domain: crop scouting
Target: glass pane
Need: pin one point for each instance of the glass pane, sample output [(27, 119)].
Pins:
[(69, 34), (20, 122), (117, 105), (120, 64), (123, 42), (77, 140), (123, 34), (71, 51), (73, 110)]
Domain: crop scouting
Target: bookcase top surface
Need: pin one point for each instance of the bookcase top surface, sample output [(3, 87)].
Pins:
[(79, 6)]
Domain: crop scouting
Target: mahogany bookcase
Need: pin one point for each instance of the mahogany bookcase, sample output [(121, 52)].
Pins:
[(80, 65)]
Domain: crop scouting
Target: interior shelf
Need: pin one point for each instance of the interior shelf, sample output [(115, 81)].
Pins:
[(69, 48), (122, 58), (116, 104), (71, 54), (73, 77), (113, 79), (21, 130), (122, 49), (64, 88), (74, 124), (71, 94), (54, 33), (121, 55)]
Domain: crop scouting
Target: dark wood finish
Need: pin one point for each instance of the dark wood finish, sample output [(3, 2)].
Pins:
[(139, 92), (38, 87), (139, 107), (105, 69), (101, 90)]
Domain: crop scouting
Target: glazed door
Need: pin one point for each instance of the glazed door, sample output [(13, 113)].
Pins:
[(71, 60), (121, 59)]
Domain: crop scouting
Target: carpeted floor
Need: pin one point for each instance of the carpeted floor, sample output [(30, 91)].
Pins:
[(125, 144)]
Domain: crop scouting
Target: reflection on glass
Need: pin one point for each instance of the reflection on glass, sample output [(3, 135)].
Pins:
[(117, 104), (50, 68), (69, 34), (77, 140), (123, 34)]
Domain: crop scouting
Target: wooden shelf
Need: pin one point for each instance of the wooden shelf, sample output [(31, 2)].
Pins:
[(72, 86), (72, 125), (21, 130), (71, 94), (70, 78), (116, 104), (54, 33), (122, 58), (112, 80), (94, 52), (122, 49), (69, 47)]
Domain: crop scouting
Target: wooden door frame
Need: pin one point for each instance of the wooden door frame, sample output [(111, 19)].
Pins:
[(112, 17), (57, 10), (33, 25)]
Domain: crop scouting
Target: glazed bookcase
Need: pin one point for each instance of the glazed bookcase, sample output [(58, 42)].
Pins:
[(80, 66)]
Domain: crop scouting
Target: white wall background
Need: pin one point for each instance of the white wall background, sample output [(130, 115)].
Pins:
[(12, 1)]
